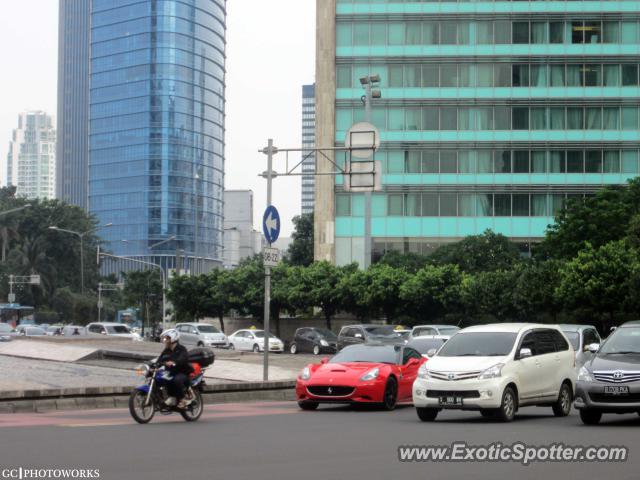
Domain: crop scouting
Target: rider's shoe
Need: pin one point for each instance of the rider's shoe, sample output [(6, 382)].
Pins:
[(184, 403)]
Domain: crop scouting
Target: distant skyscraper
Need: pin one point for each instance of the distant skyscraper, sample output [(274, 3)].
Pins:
[(74, 43), (308, 141), (156, 129), (31, 162), (242, 240)]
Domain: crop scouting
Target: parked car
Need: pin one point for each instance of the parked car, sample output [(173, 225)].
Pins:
[(498, 369), (74, 330), (428, 346), (31, 331), (253, 340), (430, 330), (112, 330), (201, 335), (313, 340), (610, 381), (359, 334), (6, 332), (581, 337), (378, 374), (54, 330)]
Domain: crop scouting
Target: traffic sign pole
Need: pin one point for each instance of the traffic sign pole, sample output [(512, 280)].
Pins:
[(267, 269)]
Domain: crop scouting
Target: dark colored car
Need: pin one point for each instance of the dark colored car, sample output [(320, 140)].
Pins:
[(426, 344), (610, 381), (377, 334), (313, 340)]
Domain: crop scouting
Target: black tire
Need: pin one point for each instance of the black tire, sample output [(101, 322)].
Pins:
[(256, 348), (427, 414), (316, 349), (562, 407), (293, 349), (194, 410), (508, 406), (200, 344), (308, 405), (231, 346), (390, 395), (590, 417), (136, 402)]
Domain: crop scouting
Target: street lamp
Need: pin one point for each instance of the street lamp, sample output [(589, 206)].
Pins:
[(81, 236), (13, 210)]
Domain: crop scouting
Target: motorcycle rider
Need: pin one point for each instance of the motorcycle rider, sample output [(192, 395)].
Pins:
[(176, 359)]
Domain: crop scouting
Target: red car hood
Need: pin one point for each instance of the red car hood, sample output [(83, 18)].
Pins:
[(341, 373)]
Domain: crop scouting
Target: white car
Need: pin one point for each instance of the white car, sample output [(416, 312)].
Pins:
[(497, 369), (112, 329), (201, 335), (430, 330), (253, 341)]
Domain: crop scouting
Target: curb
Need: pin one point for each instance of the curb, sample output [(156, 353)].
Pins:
[(30, 401)]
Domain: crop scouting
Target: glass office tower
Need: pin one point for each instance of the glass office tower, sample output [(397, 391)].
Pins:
[(156, 154), (492, 114), (308, 141)]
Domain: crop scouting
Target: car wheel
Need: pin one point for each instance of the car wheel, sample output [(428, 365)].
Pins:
[(200, 344), (256, 348), (316, 350), (308, 405), (427, 414), (293, 349), (390, 396), (507, 410), (231, 347), (590, 417), (562, 407)]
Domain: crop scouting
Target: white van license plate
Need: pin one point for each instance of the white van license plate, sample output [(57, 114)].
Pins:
[(450, 401)]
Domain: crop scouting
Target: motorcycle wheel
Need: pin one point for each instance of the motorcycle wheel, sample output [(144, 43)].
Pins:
[(139, 412), (195, 408)]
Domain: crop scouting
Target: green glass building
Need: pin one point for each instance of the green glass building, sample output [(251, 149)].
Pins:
[(493, 114)]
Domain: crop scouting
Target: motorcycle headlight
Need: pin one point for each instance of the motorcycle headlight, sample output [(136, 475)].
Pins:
[(584, 375), (492, 372), (305, 374), (142, 369), (324, 343), (423, 372), (370, 375)]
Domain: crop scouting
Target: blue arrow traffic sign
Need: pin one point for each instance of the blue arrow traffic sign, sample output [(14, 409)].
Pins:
[(271, 224)]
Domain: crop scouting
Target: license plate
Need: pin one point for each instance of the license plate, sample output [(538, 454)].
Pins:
[(450, 401), (617, 390)]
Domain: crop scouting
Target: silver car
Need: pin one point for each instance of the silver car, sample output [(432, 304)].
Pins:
[(201, 335), (580, 337)]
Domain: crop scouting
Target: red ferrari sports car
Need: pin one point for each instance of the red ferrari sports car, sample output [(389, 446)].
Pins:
[(381, 374)]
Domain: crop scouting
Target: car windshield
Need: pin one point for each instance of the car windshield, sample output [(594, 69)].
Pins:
[(208, 329), (448, 330), (326, 334), (382, 331), (478, 344), (4, 328), (35, 331), (574, 338), (118, 329), (260, 334), (369, 354), (623, 340), (423, 345), (417, 332)]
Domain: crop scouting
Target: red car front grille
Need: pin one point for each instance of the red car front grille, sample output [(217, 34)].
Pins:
[(330, 391)]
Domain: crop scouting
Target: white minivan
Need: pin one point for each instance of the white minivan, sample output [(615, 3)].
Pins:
[(497, 369)]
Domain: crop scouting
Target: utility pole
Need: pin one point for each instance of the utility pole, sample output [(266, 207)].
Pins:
[(270, 150)]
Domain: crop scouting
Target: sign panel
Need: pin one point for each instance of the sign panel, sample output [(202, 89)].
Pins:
[(271, 224), (271, 256)]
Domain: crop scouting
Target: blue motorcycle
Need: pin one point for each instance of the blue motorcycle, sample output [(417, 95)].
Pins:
[(152, 396)]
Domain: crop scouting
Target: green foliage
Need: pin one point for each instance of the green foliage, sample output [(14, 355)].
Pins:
[(143, 288), (300, 251), (479, 253), (411, 262)]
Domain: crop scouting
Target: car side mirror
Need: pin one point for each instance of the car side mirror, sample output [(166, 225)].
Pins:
[(324, 360), (431, 352), (525, 353), (594, 347)]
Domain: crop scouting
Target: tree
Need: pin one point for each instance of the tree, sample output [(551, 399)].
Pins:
[(535, 287), (491, 293), (432, 292), (411, 262), (600, 280), (383, 292), (478, 253), (144, 288), (322, 280), (300, 252)]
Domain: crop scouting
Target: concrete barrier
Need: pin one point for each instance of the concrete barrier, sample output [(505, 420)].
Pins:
[(29, 401)]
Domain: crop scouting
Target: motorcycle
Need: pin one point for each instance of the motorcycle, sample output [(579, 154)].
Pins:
[(152, 396)]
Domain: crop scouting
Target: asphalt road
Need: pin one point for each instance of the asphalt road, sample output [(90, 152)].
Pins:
[(276, 440)]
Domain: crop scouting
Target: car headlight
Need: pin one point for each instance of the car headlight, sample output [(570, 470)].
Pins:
[(492, 372), (305, 374), (423, 372), (324, 343), (370, 375), (584, 375)]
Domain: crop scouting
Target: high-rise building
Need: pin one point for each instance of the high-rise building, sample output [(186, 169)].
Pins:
[(156, 131), (492, 115), (308, 142), (31, 162), (74, 42), (241, 239)]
